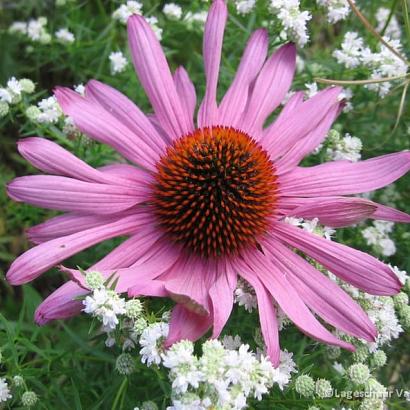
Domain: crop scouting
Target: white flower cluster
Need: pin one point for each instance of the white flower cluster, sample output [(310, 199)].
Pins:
[(377, 236), (244, 6), (105, 305), (392, 30), (383, 63), (343, 148), (12, 93), (125, 11), (64, 36), (34, 29), (245, 295), (172, 11), (151, 342), (4, 390), (221, 378), (118, 62), (292, 19), (336, 9), (195, 20)]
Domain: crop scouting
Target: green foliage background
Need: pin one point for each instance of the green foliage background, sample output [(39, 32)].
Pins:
[(62, 362)]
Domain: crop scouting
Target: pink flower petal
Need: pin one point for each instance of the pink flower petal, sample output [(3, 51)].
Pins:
[(307, 144), (61, 304), (221, 294), (156, 78), (335, 211), (321, 294), (67, 194), (212, 48), (270, 88), (126, 112), (350, 265), (385, 213), (306, 117), (130, 173), (66, 224), (186, 325), (99, 124), (267, 316), (234, 102), (288, 299), (42, 257), (345, 178), (49, 157), (186, 91)]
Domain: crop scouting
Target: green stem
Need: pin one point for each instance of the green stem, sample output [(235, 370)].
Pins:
[(120, 392)]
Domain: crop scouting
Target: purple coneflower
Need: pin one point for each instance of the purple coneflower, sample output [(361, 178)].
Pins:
[(203, 204)]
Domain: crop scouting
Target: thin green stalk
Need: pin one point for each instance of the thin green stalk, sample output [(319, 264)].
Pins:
[(359, 82), (120, 392), (406, 17)]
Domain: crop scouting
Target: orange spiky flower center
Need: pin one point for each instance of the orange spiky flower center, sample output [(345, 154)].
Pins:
[(215, 191)]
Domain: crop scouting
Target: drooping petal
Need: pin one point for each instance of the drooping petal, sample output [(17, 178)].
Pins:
[(221, 294), (61, 304), (67, 194), (267, 316), (307, 144), (212, 48), (335, 211), (321, 294), (270, 88), (126, 111), (49, 157), (288, 299), (234, 102), (42, 257), (186, 91), (353, 266), (99, 124), (186, 325), (345, 178), (189, 281), (156, 78), (281, 136)]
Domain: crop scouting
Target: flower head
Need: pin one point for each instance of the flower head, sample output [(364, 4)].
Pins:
[(207, 200)]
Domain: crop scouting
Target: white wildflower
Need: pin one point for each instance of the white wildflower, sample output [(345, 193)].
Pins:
[(377, 236), (105, 305), (350, 54), (336, 9), (80, 89), (172, 11), (183, 365), (346, 148), (292, 19), (311, 89), (65, 36), (151, 341), (339, 368), (393, 30), (118, 62), (5, 95), (127, 10), (195, 20), (27, 86), (244, 6), (19, 27), (36, 30), (231, 343), (245, 296), (14, 86), (50, 110), (4, 390)]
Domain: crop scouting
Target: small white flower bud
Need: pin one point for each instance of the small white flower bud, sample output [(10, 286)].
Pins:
[(359, 373), (29, 399), (125, 364), (305, 386), (323, 388)]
